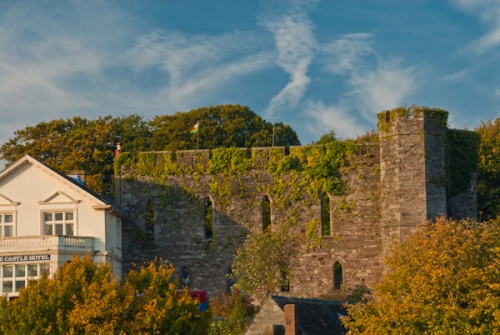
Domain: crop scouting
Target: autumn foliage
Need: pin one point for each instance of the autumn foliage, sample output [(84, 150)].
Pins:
[(84, 298), (444, 279)]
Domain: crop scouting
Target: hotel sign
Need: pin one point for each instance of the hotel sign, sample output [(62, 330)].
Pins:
[(25, 258)]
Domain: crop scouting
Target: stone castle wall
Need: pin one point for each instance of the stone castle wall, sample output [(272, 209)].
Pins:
[(390, 189)]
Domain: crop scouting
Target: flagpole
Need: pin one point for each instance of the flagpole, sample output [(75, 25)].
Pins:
[(198, 135)]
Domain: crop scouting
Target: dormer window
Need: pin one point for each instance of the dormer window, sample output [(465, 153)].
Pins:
[(59, 223), (6, 224)]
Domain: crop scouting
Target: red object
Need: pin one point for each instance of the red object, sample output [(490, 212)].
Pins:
[(197, 294)]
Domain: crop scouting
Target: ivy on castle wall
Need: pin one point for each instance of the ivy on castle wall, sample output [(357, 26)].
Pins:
[(461, 146), (387, 119), (461, 160), (233, 173)]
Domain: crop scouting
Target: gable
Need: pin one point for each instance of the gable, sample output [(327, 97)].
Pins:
[(58, 198), (4, 201)]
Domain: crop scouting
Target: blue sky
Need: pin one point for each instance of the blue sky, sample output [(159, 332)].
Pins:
[(316, 65)]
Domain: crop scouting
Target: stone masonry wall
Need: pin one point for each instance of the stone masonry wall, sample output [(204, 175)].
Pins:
[(391, 189)]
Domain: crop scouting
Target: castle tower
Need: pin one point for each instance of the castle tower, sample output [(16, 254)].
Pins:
[(412, 170)]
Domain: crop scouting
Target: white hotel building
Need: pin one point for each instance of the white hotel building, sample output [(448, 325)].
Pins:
[(46, 218)]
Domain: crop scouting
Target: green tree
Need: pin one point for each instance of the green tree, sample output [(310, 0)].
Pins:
[(80, 299), (327, 138), (441, 280), (84, 298), (232, 313), (153, 305), (79, 144), (488, 174), (219, 126), (263, 264)]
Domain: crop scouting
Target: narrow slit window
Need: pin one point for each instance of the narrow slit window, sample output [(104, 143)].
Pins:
[(337, 276), (150, 220), (209, 218), (325, 216), (266, 213)]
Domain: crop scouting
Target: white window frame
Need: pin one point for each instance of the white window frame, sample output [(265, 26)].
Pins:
[(55, 221), (19, 275), (4, 224)]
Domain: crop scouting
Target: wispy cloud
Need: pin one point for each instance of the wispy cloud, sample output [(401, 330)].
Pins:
[(376, 83), (488, 12), (385, 87), (338, 118), (294, 37), (348, 53), (497, 91), (51, 69), (196, 66)]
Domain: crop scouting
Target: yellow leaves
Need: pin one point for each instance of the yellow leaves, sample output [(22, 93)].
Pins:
[(83, 298), (442, 280)]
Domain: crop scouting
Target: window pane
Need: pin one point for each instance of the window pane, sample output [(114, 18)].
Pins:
[(59, 229), (32, 270), (1, 218), (8, 271), (48, 229), (20, 284), (59, 216), (47, 217), (8, 218), (69, 216), (7, 286), (45, 267), (20, 270), (69, 229), (7, 232)]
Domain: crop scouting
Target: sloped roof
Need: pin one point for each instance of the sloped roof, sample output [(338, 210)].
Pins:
[(316, 317), (27, 159)]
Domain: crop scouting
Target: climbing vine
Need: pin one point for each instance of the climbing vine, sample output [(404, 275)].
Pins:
[(461, 160)]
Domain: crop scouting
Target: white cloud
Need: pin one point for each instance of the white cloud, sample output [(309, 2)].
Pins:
[(488, 11), (383, 88), (348, 53), (377, 83), (331, 117), (295, 41), (196, 66), (497, 91), (51, 69)]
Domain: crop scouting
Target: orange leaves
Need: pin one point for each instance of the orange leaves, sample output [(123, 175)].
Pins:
[(443, 279), (83, 298)]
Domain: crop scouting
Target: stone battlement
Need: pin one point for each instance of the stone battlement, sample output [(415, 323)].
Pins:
[(350, 201)]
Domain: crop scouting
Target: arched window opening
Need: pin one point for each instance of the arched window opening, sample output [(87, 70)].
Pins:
[(325, 216), (209, 218), (266, 213), (337, 276), (184, 278), (150, 220)]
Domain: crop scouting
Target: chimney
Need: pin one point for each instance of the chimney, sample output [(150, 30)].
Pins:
[(118, 150), (291, 319)]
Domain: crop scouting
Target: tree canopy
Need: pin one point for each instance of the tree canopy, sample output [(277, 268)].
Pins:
[(441, 280), (263, 264), (84, 298), (219, 126), (488, 173), (79, 144)]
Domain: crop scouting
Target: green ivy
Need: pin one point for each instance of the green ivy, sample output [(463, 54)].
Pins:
[(387, 118), (461, 160)]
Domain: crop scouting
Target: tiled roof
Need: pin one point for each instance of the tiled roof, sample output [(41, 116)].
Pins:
[(316, 317)]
